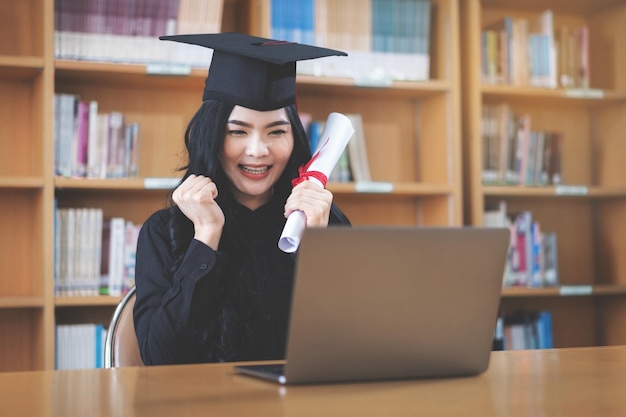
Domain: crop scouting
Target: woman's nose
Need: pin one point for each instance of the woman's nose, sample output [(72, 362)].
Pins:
[(256, 146)]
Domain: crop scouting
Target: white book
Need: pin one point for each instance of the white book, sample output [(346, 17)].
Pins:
[(357, 150), (93, 147), (130, 251), (96, 250), (71, 250), (116, 256), (67, 117)]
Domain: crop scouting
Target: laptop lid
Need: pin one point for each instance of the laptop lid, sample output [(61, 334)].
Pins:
[(394, 302)]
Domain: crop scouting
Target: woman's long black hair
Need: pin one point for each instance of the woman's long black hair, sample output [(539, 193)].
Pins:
[(204, 141), (227, 339)]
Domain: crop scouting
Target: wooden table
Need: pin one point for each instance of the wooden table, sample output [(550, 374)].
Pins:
[(559, 382)]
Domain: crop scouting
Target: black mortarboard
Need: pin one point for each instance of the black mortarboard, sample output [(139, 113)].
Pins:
[(252, 72)]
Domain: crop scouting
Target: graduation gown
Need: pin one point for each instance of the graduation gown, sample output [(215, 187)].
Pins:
[(226, 305)]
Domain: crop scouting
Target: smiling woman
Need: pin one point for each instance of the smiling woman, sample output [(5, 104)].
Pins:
[(212, 284), (256, 151)]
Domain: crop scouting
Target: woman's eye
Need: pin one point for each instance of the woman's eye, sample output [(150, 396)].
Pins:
[(235, 132), (278, 132)]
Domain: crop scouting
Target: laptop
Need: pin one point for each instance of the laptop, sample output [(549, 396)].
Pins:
[(378, 303)]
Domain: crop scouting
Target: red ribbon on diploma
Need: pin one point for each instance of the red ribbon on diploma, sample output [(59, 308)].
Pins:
[(304, 174)]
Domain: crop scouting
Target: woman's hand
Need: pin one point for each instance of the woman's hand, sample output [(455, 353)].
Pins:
[(311, 199), (196, 199)]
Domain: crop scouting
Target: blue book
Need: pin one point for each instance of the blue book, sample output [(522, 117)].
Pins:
[(99, 330), (315, 130)]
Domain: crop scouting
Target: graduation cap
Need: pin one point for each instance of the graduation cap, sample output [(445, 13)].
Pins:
[(252, 72)]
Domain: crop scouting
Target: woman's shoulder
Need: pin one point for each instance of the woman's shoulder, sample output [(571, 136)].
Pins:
[(162, 216), (337, 217), (161, 220)]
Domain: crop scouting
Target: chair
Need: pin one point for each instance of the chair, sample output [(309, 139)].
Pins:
[(120, 345)]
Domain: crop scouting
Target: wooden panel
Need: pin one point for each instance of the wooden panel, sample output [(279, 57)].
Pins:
[(19, 335), (21, 246), (607, 32), (21, 27), (384, 210), (609, 126), (438, 211), (612, 319), (611, 246), (435, 138), (16, 135)]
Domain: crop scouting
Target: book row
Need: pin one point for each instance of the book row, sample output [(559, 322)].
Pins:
[(91, 144), (533, 253), (353, 165), (514, 153), (79, 346), (524, 330), (93, 255), (531, 52), (385, 39), (128, 30)]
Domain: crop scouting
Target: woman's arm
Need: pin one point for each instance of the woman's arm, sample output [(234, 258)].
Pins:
[(164, 308)]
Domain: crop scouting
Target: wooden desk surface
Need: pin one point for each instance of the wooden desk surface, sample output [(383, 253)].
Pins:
[(560, 382)]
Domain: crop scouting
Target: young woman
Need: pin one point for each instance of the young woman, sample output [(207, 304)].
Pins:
[(212, 284)]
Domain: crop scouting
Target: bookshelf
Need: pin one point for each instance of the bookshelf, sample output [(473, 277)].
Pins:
[(26, 82), (588, 209), (413, 133)]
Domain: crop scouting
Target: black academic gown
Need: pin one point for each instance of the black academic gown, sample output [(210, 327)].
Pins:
[(226, 305)]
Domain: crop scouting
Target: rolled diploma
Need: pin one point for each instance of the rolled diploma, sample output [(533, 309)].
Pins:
[(334, 138)]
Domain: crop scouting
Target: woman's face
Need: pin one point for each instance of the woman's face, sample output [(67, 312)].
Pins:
[(256, 150)]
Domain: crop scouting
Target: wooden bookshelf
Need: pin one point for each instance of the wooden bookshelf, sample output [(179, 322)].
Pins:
[(588, 211), (413, 133), (26, 196)]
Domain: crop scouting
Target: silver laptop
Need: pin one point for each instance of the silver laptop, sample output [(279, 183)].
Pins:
[(372, 303)]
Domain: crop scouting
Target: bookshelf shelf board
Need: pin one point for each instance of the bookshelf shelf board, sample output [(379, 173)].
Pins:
[(21, 182), (589, 97), (569, 6), (21, 302), (564, 291), (105, 184), (20, 68), (398, 189), (341, 86), (137, 75), (125, 74), (102, 300), (554, 192)]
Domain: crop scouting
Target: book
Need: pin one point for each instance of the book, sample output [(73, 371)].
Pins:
[(65, 117), (128, 30), (542, 51), (80, 139), (527, 329), (130, 251), (357, 150), (115, 145), (131, 150), (550, 265), (79, 346), (112, 256)]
